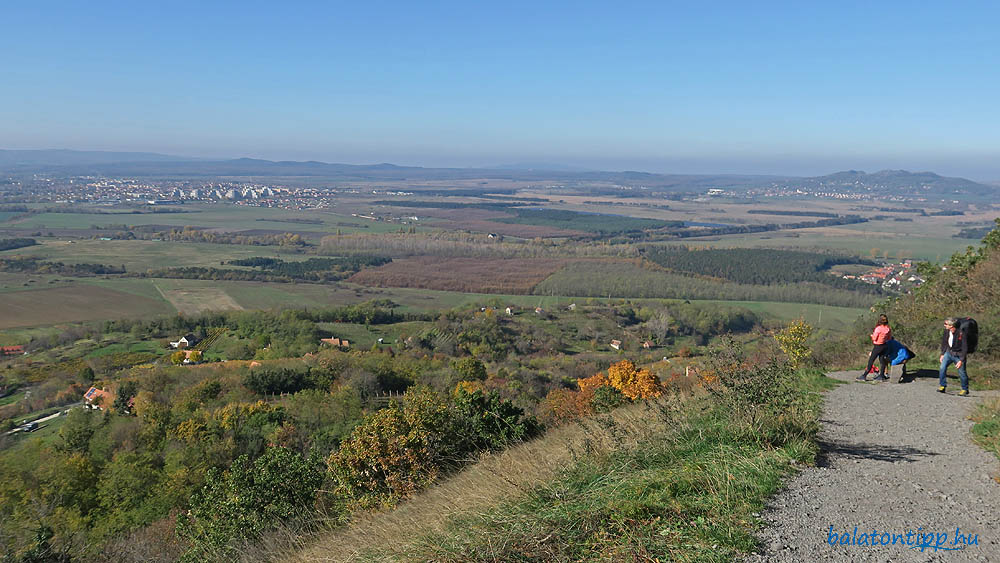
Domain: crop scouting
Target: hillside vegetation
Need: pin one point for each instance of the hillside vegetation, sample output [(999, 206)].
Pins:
[(676, 478), (181, 456)]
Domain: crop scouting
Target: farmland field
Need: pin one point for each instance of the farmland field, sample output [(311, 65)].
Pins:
[(930, 248), (141, 255), (245, 294), (201, 294), (510, 230), (145, 293), (221, 216), (820, 316), (590, 222), (193, 300), (73, 304), (625, 279), (460, 274)]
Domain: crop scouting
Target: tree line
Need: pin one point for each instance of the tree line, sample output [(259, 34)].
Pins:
[(316, 270), (757, 266), (192, 234), (620, 279), (34, 265), (472, 245), (13, 243)]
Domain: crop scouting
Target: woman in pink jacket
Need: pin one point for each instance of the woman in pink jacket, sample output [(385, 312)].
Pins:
[(880, 349)]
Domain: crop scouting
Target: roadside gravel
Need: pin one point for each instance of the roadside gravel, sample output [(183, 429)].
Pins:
[(896, 458)]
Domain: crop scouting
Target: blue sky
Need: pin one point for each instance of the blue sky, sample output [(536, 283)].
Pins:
[(755, 87)]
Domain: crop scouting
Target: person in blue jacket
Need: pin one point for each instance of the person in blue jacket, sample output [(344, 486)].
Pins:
[(899, 354)]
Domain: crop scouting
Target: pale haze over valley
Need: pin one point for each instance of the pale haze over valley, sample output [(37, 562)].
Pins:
[(657, 87)]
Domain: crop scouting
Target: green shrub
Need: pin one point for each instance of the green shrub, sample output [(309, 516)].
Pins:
[(250, 498), (395, 451), (491, 423), (606, 399)]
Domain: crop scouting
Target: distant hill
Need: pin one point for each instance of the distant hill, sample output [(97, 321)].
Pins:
[(139, 164), (175, 167), (889, 182)]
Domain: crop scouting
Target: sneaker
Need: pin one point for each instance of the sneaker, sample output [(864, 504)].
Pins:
[(941, 389), (882, 378), (862, 377), (963, 393)]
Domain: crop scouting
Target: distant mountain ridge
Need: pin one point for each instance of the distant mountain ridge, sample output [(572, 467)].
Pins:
[(887, 182), (163, 166), (140, 164)]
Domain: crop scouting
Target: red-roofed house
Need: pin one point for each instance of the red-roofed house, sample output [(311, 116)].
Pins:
[(98, 398), (11, 350)]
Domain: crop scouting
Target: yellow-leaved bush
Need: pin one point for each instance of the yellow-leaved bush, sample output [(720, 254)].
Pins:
[(562, 405), (792, 341)]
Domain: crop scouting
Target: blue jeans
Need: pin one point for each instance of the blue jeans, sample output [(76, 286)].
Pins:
[(947, 360)]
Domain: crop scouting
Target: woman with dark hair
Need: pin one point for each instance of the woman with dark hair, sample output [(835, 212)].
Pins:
[(880, 349)]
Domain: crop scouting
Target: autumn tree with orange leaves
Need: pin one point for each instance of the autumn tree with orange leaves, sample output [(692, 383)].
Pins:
[(634, 383), (562, 405)]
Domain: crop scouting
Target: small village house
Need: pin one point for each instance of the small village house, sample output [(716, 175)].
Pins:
[(98, 398), (185, 341), (11, 350)]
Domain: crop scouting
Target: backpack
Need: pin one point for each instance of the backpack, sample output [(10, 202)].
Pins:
[(970, 331)]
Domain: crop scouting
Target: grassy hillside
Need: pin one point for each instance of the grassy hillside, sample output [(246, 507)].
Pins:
[(679, 478)]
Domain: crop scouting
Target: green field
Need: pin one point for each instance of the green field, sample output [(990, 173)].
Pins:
[(12, 398), (141, 255), (931, 248), (12, 337), (149, 296), (123, 348), (589, 222), (820, 316), (46, 306), (220, 216), (13, 282)]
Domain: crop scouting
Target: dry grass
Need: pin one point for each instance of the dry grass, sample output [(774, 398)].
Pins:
[(494, 479), (196, 300)]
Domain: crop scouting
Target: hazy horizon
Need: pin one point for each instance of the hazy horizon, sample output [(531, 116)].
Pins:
[(762, 167), (786, 89)]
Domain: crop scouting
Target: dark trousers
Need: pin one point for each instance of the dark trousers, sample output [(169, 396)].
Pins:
[(880, 351)]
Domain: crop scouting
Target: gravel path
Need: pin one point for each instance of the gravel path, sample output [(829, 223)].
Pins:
[(896, 458)]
